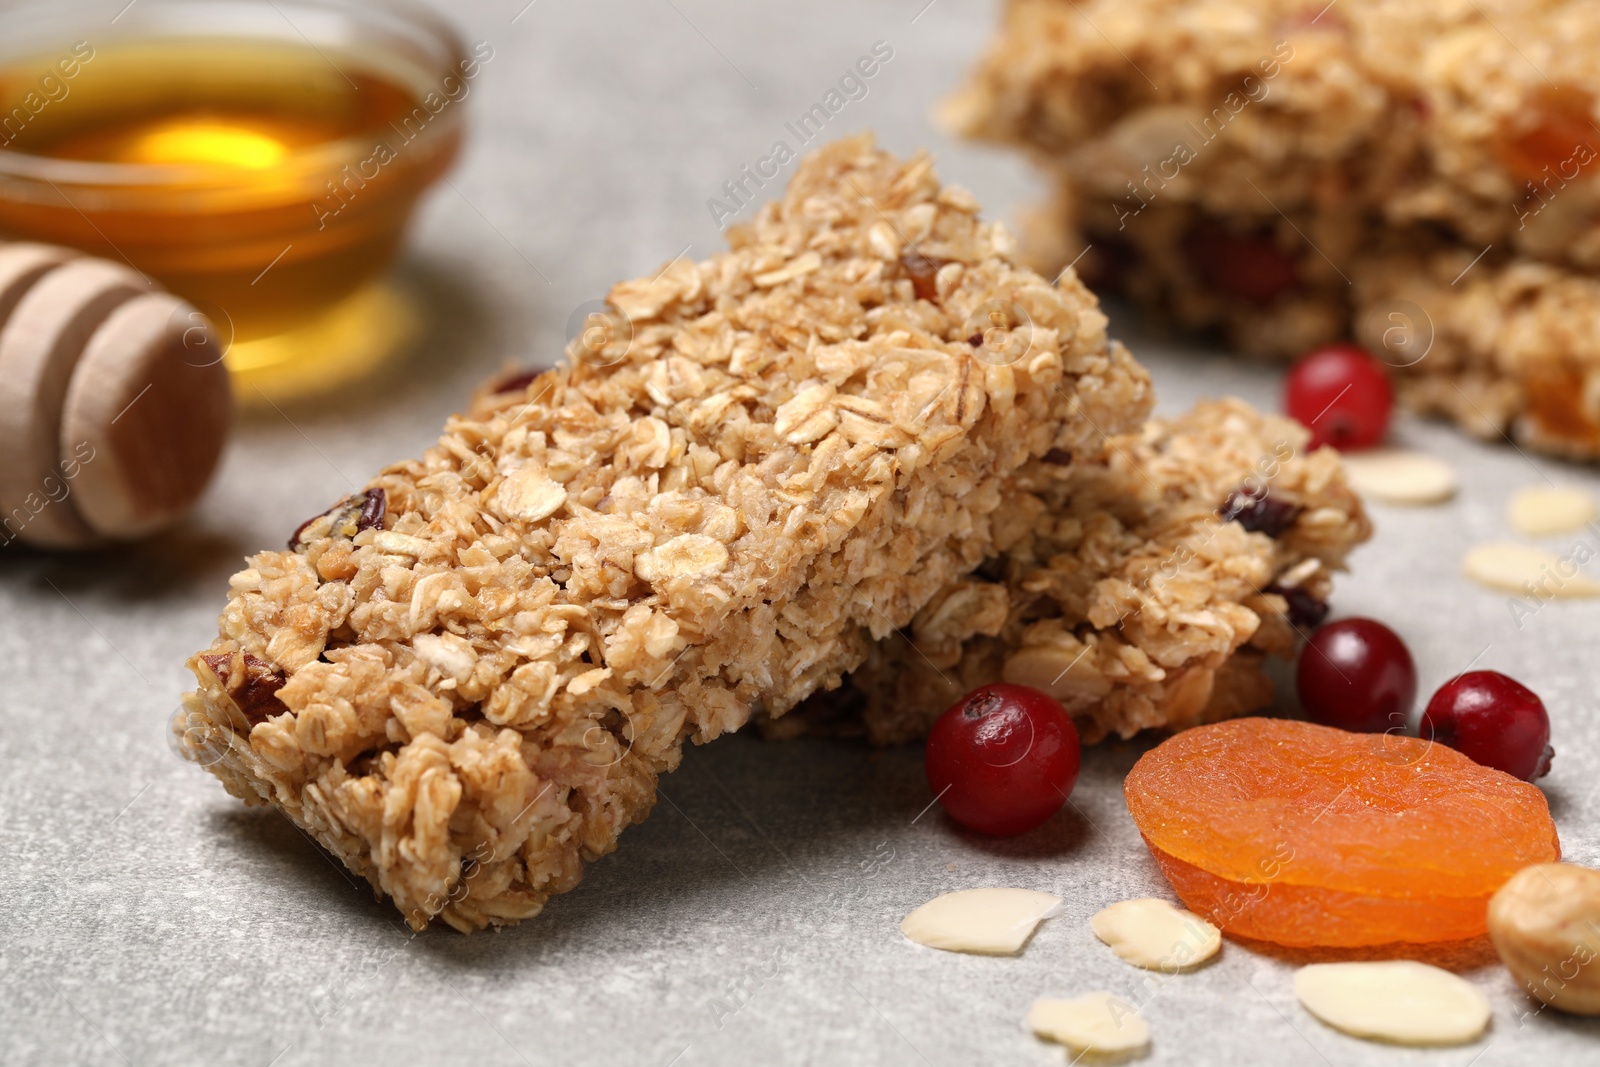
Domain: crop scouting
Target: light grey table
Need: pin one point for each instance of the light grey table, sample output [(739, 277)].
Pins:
[(753, 918)]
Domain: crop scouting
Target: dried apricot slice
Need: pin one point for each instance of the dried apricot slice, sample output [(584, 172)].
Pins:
[(1309, 836), (1554, 131)]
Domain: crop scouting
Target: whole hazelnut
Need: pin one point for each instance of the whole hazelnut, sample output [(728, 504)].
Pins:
[(1545, 923)]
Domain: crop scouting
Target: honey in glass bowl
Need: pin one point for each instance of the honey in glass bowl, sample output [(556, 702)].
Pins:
[(260, 159)]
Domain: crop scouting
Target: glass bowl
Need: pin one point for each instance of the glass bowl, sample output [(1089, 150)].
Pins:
[(261, 159)]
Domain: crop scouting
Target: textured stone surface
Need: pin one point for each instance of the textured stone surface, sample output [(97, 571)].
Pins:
[(153, 920)]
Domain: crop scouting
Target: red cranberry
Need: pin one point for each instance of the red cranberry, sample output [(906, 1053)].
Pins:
[(1357, 674), (1496, 720), (1250, 267), (1342, 395), (1003, 759)]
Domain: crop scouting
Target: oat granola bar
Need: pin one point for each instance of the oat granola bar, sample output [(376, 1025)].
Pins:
[(1143, 590), (1504, 345), (1287, 174), (1478, 117), (465, 681)]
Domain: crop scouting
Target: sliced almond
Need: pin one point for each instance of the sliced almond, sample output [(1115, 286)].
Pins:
[(990, 922), (1543, 511), (1518, 568), (1400, 476), (1153, 934), (1400, 1001), (1093, 1023)]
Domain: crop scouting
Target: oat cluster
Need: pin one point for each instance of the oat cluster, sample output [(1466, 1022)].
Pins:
[(1121, 587), (766, 461)]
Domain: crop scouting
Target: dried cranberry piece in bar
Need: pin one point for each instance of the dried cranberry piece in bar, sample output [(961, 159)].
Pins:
[(1248, 266), (1305, 611), (515, 381), (924, 273), (351, 515), (1257, 510), (253, 687), (221, 665), (373, 508)]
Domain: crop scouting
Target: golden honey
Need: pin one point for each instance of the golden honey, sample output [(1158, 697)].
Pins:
[(268, 181)]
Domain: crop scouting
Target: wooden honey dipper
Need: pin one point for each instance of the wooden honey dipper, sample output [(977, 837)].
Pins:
[(114, 403)]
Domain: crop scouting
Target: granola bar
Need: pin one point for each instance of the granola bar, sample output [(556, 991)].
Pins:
[(1143, 590), (1288, 174), (1476, 117), (1504, 345), (465, 681)]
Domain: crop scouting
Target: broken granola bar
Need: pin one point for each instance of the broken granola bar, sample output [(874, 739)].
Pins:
[(1144, 588)]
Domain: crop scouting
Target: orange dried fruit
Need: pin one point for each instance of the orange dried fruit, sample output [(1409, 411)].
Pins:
[(1306, 835), (1551, 138)]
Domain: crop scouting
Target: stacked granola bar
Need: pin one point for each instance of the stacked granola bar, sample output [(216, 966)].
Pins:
[(1144, 588), (1416, 174), (466, 680)]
